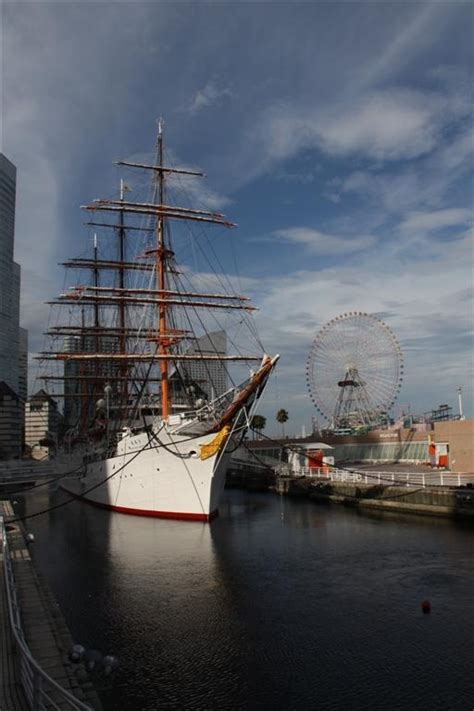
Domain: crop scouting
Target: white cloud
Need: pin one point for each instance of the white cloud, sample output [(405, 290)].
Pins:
[(393, 192), (416, 33), (197, 192), (385, 125), (390, 125), (426, 221), (414, 185), (210, 95), (324, 244), (87, 100), (431, 316)]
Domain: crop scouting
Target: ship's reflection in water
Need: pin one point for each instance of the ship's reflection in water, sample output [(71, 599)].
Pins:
[(277, 604)]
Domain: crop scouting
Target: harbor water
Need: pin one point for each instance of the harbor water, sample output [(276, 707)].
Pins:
[(278, 604)]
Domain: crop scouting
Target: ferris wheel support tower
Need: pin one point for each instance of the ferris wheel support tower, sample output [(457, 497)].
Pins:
[(353, 405)]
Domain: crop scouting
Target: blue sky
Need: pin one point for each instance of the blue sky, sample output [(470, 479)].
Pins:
[(337, 135)]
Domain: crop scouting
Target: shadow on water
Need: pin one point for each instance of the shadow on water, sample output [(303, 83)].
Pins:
[(277, 604)]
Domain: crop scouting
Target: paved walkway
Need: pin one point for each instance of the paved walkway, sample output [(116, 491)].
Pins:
[(11, 693), (44, 628)]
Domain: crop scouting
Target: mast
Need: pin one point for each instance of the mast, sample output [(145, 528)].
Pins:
[(97, 340), (98, 360), (95, 272), (84, 388), (122, 319), (160, 283)]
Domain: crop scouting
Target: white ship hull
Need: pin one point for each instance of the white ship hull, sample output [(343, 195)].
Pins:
[(147, 426), (148, 479)]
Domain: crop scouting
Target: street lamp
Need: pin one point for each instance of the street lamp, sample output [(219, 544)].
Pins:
[(461, 414)]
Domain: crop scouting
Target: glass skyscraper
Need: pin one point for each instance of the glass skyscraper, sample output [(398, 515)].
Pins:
[(13, 340), (9, 280)]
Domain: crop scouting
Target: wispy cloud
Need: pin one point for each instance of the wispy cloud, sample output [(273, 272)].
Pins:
[(413, 186), (430, 316), (381, 129), (418, 31), (210, 95), (388, 125), (325, 244), (429, 221)]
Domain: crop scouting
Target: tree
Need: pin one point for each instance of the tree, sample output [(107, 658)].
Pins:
[(282, 417), (258, 422)]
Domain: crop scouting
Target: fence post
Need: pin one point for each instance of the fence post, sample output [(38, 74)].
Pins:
[(459, 480), (441, 477), (424, 482)]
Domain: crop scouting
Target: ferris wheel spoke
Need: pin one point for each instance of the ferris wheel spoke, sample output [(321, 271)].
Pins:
[(354, 369)]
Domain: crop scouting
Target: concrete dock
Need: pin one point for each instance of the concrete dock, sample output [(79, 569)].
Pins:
[(45, 633), (432, 501)]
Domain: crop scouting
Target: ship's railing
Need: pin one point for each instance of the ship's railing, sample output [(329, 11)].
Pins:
[(419, 479), (41, 691)]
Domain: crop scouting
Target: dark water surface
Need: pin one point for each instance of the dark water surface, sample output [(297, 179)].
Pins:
[(278, 604)]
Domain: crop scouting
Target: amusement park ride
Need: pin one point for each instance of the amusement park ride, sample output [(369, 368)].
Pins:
[(354, 372)]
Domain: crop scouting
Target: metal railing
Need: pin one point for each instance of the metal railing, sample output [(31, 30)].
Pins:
[(41, 691), (397, 478), (245, 460)]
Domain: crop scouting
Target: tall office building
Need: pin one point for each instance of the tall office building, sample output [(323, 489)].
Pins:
[(208, 379), (212, 375), (23, 366), (11, 418), (13, 355), (77, 391), (9, 279), (72, 387)]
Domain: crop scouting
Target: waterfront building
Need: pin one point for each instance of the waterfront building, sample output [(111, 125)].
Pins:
[(10, 423), (42, 421), (452, 443)]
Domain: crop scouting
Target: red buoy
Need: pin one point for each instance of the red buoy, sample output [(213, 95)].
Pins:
[(426, 606)]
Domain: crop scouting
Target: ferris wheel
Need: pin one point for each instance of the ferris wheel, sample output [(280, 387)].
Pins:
[(354, 370)]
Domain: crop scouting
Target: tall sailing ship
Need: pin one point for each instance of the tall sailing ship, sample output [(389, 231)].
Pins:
[(151, 406)]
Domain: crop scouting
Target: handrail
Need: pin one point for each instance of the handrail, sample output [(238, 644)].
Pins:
[(396, 478), (33, 678)]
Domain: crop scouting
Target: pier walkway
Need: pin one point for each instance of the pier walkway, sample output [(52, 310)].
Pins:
[(18, 473), (11, 691), (35, 670)]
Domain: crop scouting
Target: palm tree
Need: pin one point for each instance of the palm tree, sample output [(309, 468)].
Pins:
[(282, 417), (258, 422)]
